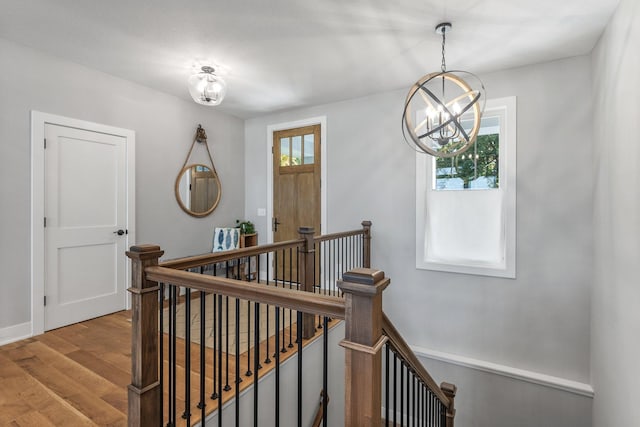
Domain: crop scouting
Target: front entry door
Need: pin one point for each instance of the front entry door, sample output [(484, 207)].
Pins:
[(85, 224), (296, 188)]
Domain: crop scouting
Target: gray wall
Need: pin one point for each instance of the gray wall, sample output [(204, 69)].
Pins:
[(311, 386), (537, 322), (164, 127), (616, 292)]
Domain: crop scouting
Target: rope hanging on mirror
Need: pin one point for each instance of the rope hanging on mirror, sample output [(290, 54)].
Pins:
[(201, 137)]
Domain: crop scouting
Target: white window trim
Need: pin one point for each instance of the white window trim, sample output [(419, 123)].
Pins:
[(424, 181)]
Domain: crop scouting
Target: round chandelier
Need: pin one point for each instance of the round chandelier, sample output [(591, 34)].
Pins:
[(443, 109), (206, 87)]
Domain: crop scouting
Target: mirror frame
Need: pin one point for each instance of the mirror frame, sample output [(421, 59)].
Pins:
[(179, 199)]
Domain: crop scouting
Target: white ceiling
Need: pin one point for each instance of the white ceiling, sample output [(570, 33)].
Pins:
[(280, 54)]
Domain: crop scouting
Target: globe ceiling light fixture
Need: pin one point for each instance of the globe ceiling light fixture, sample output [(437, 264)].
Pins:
[(206, 87), (443, 109)]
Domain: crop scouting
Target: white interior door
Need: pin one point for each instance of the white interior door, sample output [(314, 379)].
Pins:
[(85, 207)]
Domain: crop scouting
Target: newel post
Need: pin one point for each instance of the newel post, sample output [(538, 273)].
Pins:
[(363, 342), (144, 390), (366, 244), (307, 276), (450, 391)]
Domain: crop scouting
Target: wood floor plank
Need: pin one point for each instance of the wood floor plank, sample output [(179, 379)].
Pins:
[(104, 369), (78, 375), (31, 419)]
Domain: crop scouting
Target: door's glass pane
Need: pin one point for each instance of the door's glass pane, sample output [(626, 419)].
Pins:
[(308, 149), (285, 152), (296, 150)]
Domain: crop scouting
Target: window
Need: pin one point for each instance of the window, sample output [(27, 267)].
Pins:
[(465, 205), (297, 150), (479, 167)]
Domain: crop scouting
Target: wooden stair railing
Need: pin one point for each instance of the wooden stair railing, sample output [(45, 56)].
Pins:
[(367, 330), (445, 392)]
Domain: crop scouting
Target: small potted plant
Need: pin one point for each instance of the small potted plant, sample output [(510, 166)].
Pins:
[(246, 227)]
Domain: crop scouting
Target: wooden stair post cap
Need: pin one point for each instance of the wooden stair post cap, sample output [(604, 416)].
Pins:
[(145, 251), (368, 276), (363, 281), (449, 389), (306, 230)]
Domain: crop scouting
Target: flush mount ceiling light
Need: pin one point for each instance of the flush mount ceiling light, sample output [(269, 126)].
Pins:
[(443, 109), (206, 87)]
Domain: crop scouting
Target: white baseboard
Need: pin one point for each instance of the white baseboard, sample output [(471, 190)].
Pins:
[(564, 384), (15, 333)]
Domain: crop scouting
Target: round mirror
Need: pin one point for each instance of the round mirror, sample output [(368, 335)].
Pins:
[(198, 190)]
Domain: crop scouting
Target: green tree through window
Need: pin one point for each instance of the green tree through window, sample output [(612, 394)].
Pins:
[(477, 168)]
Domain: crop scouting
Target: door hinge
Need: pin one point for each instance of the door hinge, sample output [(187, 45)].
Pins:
[(45, 300), (272, 149), (45, 143), (45, 221)]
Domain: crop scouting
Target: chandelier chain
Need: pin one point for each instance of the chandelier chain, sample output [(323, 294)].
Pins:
[(444, 64)]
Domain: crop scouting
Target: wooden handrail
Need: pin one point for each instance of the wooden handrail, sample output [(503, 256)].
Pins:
[(213, 257), (322, 305), (210, 258), (340, 235), (403, 349)]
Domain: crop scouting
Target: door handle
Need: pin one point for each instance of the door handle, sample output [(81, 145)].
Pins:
[(119, 232)]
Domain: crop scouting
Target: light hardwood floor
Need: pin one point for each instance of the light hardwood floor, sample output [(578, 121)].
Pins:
[(78, 375), (72, 376)]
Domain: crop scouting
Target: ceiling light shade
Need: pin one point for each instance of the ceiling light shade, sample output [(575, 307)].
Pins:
[(443, 109), (206, 87)]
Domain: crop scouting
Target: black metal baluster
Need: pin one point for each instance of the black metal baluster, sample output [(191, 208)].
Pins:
[(267, 360), (290, 287), (325, 371), (354, 251), (248, 373), (401, 392), (395, 387), (323, 274), (332, 266), (172, 359), (414, 399), (186, 415), (339, 254), (420, 394), (422, 398), (277, 357), (431, 408), (299, 334), (214, 330), (256, 357), (203, 373), (238, 379), (386, 380), (284, 318), (227, 387), (219, 360), (161, 351)]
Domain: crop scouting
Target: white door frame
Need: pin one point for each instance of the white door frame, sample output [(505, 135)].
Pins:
[(38, 122), (322, 121)]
